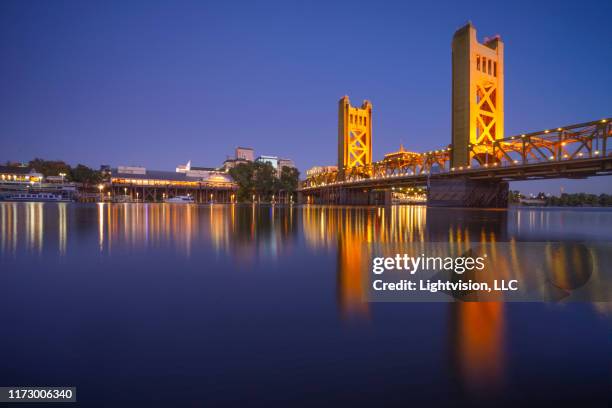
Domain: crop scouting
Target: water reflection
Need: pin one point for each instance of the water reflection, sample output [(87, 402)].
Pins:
[(477, 332), (476, 341)]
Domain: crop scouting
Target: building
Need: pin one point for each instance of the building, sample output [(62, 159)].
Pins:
[(205, 185), (316, 170), (245, 153), (19, 174), (183, 168), (230, 163), (131, 170), (193, 171), (273, 160), (402, 154), (285, 163), (24, 178)]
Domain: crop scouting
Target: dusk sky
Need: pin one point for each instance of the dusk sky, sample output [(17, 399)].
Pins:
[(160, 83)]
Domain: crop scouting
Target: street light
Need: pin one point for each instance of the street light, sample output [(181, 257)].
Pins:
[(62, 175), (100, 188)]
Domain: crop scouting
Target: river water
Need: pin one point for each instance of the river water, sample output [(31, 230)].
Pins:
[(182, 305)]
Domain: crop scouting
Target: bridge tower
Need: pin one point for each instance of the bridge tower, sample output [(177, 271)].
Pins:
[(478, 93), (354, 136)]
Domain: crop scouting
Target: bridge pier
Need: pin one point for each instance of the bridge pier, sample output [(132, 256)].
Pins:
[(346, 196), (462, 192)]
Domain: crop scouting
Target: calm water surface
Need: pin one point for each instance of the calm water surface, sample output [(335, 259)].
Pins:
[(176, 305)]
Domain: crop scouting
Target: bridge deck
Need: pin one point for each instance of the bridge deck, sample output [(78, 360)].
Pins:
[(575, 168)]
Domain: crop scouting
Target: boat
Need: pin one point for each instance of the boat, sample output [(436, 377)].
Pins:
[(180, 200), (35, 197)]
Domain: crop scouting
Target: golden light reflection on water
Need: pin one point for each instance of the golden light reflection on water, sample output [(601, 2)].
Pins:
[(34, 226), (62, 227), (244, 231), (476, 339), (476, 329)]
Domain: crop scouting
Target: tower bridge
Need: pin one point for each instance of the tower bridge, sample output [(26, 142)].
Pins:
[(474, 169)]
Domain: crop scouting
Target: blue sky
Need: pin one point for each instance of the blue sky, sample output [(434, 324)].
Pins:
[(159, 83)]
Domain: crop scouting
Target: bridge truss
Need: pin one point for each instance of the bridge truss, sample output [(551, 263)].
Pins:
[(566, 144)]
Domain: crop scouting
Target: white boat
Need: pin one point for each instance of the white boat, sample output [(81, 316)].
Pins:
[(35, 197), (180, 200)]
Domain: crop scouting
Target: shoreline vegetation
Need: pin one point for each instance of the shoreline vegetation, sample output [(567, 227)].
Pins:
[(78, 174), (564, 200)]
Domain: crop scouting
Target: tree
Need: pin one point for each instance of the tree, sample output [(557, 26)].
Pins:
[(265, 180), (262, 180), (79, 174), (289, 179), (243, 176), (83, 174), (514, 196), (50, 167)]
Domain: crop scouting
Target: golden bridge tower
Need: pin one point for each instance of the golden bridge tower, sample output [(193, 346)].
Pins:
[(478, 93), (354, 135)]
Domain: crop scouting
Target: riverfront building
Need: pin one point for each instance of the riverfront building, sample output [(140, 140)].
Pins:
[(141, 184), (19, 175), (24, 179)]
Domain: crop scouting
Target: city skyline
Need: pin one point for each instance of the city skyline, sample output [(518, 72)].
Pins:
[(160, 84)]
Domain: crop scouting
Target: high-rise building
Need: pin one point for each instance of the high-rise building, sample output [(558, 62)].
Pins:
[(245, 153)]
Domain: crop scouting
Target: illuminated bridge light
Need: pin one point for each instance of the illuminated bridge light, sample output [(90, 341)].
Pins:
[(522, 135), (603, 121), (580, 154), (546, 131), (565, 156), (596, 152), (551, 158), (559, 129), (515, 162), (562, 143), (452, 169)]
